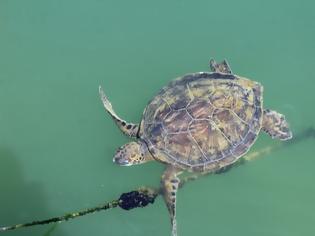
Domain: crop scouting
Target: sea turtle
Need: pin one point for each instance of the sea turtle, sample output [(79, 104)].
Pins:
[(201, 122)]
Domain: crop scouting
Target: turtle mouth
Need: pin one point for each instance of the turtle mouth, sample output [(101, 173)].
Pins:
[(288, 135), (121, 161)]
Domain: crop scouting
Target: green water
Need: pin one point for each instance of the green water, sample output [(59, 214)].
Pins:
[(57, 142)]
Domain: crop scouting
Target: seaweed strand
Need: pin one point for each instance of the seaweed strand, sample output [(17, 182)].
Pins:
[(65, 217)]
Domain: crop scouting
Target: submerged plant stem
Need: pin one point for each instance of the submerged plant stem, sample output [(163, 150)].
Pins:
[(65, 217), (144, 196)]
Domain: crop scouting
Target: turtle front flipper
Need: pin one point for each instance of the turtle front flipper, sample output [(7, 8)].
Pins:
[(222, 67), (170, 183), (275, 125), (127, 128)]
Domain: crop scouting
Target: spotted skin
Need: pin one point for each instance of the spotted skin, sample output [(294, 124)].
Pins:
[(275, 125), (221, 67), (127, 128), (170, 183), (206, 120)]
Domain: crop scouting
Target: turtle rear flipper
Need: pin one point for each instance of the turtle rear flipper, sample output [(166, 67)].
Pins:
[(275, 125), (170, 183), (127, 128), (222, 67)]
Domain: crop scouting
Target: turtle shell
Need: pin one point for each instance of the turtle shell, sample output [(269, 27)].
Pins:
[(203, 121)]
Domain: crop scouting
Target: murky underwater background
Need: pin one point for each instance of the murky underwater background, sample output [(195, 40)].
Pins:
[(57, 142)]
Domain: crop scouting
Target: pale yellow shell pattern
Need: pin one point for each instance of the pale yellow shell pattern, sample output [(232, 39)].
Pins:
[(203, 120)]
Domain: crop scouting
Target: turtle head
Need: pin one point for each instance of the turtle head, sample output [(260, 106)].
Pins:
[(132, 153)]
